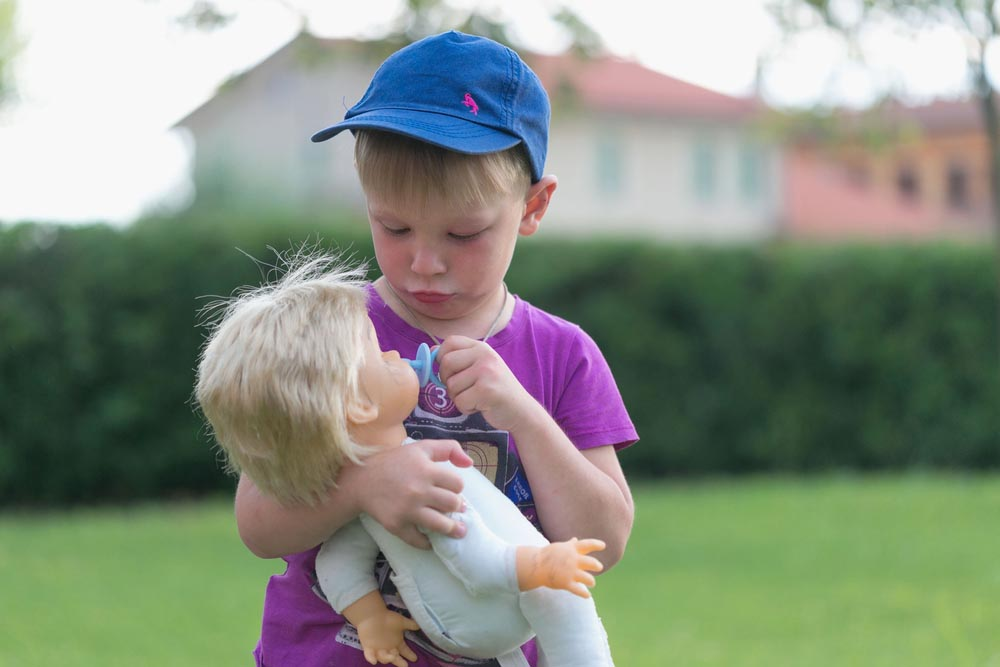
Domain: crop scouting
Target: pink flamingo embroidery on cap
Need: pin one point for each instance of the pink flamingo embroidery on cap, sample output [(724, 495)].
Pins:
[(471, 103)]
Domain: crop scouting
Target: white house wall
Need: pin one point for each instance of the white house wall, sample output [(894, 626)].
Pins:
[(656, 194)]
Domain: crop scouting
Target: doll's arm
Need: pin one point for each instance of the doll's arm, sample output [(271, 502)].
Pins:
[(344, 569), (380, 631)]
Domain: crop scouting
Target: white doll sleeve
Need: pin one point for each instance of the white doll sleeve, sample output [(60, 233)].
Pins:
[(345, 566)]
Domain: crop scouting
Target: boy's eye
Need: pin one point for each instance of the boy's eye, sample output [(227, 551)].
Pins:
[(395, 231), (464, 237)]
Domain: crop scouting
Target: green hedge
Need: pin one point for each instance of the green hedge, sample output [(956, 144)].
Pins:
[(730, 359)]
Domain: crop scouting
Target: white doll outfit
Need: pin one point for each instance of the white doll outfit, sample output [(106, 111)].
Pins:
[(463, 593)]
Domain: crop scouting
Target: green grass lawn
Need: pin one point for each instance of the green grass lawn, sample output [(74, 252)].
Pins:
[(777, 572)]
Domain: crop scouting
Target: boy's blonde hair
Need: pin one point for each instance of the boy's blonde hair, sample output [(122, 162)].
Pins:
[(414, 174), (278, 372)]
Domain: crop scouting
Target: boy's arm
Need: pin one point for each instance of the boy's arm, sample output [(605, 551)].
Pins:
[(589, 495), (577, 493), (400, 487)]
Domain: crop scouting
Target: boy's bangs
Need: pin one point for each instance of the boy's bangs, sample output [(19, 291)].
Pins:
[(414, 174)]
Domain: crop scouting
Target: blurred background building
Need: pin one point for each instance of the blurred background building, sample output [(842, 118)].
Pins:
[(637, 152)]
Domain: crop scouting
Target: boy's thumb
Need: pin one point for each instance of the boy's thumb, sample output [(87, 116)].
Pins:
[(450, 450)]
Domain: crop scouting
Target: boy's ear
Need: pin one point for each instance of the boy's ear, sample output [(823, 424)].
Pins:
[(361, 411), (536, 204)]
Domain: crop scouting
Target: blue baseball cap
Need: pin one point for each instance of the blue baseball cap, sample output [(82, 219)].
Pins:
[(462, 92)]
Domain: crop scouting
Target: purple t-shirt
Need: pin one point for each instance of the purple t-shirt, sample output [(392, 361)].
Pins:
[(560, 366)]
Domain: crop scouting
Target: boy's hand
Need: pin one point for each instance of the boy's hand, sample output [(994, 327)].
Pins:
[(478, 380), (404, 490)]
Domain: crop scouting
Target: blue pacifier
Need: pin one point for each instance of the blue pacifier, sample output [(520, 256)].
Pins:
[(422, 366)]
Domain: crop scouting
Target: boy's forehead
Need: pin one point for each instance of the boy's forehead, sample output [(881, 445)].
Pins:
[(435, 212)]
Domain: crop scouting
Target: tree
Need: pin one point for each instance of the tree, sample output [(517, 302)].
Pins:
[(976, 20), (9, 47), (420, 18)]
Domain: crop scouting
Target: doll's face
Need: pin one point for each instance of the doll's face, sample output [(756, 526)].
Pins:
[(387, 381)]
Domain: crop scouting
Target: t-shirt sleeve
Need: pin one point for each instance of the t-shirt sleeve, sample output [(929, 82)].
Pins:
[(590, 409)]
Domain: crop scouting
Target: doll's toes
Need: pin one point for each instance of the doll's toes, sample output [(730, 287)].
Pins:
[(590, 545), (578, 590), (590, 564)]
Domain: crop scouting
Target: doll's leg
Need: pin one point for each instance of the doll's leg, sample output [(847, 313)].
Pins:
[(484, 562), (481, 560), (567, 627)]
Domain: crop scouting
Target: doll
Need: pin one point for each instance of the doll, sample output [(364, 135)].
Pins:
[(294, 386)]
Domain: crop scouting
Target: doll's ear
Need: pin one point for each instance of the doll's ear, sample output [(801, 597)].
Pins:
[(361, 411)]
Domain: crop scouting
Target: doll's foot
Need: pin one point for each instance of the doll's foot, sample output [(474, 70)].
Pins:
[(562, 565)]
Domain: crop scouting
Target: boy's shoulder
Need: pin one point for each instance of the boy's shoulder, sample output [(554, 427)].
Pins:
[(543, 320), (541, 329)]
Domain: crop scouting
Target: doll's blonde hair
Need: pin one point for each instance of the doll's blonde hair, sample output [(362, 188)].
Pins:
[(278, 371), (414, 174)]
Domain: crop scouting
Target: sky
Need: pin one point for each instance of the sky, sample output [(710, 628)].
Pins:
[(100, 84)]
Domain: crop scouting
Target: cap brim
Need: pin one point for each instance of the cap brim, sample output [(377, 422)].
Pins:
[(457, 134)]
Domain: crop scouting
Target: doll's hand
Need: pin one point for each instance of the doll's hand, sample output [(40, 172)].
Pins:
[(381, 638), (562, 565), (407, 492), (478, 380)]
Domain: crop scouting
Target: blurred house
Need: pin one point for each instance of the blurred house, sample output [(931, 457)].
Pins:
[(894, 172), (636, 152)]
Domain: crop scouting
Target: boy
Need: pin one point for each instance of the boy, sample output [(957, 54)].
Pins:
[(451, 143)]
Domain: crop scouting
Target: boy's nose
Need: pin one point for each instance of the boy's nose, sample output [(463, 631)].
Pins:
[(426, 261)]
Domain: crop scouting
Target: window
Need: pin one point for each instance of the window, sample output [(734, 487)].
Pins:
[(958, 186), (907, 182), (752, 172), (610, 164), (704, 169)]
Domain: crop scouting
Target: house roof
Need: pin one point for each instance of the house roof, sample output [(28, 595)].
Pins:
[(602, 83), (610, 83), (943, 115)]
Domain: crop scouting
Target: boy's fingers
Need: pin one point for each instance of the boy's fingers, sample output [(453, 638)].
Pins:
[(447, 450), (586, 579), (446, 501), (579, 590), (414, 538), (432, 521)]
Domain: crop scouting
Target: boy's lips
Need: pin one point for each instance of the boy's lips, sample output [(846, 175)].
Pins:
[(430, 297)]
